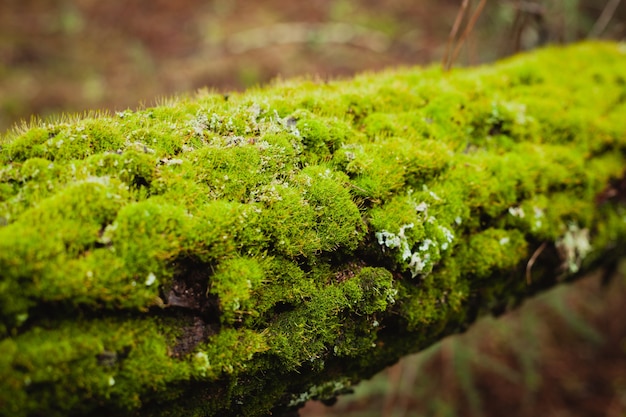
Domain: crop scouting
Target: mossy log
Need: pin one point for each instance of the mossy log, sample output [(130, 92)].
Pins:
[(240, 254)]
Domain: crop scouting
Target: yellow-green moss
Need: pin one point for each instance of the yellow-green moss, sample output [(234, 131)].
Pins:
[(234, 255), (233, 283)]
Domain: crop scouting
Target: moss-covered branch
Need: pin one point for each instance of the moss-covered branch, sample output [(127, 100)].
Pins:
[(231, 255)]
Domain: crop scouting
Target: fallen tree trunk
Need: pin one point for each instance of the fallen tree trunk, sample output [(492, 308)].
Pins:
[(239, 255)]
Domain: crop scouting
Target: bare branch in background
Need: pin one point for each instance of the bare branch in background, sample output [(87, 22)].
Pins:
[(302, 32), (448, 58), (604, 19), (455, 28), (468, 28)]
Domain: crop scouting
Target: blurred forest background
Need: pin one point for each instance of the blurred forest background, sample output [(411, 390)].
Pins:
[(561, 354)]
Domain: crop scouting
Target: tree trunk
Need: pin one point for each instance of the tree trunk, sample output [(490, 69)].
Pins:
[(239, 255)]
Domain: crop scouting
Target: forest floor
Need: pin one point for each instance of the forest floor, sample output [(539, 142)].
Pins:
[(76, 55)]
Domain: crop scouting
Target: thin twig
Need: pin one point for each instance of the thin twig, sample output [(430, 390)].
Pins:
[(518, 27), (468, 29), (357, 188), (605, 18), (531, 262), (455, 28)]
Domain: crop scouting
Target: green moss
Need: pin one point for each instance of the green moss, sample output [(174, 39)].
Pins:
[(66, 142), (379, 170), (148, 228), (313, 213), (317, 324), (228, 352), (233, 283), (29, 145), (492, 251), (236, 257), (229, 172), (285, 286), (223, 228), (108, 361), (411, 233), (337, 221)]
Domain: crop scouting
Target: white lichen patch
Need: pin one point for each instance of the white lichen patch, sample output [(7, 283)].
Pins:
[(108, 233), (421, 207), (434, 196), (447, 235), (199, 124), (289, 124), (573, 247), (538, 215), (123, 114), (393, 241), (104, 180), (173, 161), (139, 147), (530, 215), (502, 111), (517, 212), (151, 279), (215, 123), (391, 295), (421, 256), (254, 111), (327, 390)]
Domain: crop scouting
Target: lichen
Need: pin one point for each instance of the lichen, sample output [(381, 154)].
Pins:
[(327, 390), (574, 247), (239, 255)]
